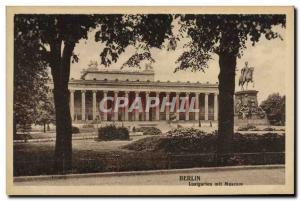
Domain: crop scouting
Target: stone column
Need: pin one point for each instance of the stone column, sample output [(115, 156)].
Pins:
[(105, 105), (83, 105), (126, 106), (197, 106), (136, 112), (72, 104), (94, 105), (116, 114), (147, 112), (177, 106), (167, 106), (206, 107), (216, 103), (187, 106), (157, 108)]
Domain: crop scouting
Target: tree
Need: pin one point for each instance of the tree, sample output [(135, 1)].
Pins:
[(30, 76), (45, 111), (58, 35), (274, 106), (226, 36)]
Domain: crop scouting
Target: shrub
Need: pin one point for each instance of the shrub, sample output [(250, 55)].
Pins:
[(248, 127), (75, 130), (88, 126), (186, 132), (149, 130), (269, 129), (207, 143), (112, 132), (123, 133), (24, 137), (268, 142)]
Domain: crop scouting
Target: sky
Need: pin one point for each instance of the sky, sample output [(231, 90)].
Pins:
[(268, 57)]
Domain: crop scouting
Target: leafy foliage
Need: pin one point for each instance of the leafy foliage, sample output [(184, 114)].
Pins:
[(30, 76), (136, 59), (140, 31), (214, 34), (248, 127), (274, 106), (187, 132), (207, 143), (45, 110)]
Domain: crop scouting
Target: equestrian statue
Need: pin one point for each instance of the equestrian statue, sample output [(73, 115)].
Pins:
[(246, 76)]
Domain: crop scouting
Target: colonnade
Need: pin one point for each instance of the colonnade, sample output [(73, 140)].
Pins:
[(104, 117)]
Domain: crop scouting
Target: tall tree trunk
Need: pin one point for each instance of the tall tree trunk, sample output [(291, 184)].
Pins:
[(44, 127), (63, 145), (61, 71), (227, 62), (229, 48)]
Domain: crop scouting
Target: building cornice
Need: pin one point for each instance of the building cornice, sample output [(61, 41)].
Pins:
[(145, 86), (117, 72), (145, 83)]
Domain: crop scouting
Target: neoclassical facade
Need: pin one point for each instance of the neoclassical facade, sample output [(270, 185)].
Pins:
[(94, 85)]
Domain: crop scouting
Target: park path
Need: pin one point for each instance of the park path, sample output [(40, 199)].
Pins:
[(255, 175)]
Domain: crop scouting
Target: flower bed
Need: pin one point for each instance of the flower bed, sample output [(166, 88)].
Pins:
[(248, 127)]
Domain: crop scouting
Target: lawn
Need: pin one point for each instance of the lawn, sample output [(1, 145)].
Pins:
[(88, 155), (140, 153)]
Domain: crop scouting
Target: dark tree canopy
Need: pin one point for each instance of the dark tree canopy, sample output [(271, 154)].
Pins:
[(30, 76), (274, 106), (45, 113), (142, 31), (214, 34)]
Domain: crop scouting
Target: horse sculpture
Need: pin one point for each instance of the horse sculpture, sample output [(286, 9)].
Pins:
[(246, 76)]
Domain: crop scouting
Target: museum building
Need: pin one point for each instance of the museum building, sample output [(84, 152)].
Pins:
[(94, 85)]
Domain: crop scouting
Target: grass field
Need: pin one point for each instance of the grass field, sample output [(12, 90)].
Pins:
[(90, 155)]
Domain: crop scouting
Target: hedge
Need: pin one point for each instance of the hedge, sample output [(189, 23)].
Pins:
[(196, 141), (75, 130), (112, 132), (149, 130)]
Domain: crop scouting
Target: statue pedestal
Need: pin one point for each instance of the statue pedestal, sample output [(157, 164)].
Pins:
[(246, 109)]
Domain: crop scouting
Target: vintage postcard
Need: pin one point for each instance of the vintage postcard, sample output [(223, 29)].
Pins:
[(150, 100)]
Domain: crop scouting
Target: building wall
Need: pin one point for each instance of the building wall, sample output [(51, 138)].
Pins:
[(118, 75)]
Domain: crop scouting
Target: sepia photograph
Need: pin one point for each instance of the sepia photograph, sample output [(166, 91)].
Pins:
[(150, 100)]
